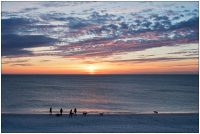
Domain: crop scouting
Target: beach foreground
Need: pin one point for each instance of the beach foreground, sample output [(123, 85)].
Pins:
[(96, 123)]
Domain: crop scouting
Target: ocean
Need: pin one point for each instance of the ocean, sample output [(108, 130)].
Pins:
[(100, 93)]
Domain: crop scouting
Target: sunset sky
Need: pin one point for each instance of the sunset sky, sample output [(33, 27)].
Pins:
[(99, 37)]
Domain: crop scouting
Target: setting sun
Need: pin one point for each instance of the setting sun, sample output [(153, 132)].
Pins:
[(91, 69)]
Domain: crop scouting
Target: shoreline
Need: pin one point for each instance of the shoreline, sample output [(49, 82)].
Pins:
[(107, 113)]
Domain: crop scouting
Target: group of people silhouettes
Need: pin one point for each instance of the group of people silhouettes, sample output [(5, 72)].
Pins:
[(71, 112), (61, 112)]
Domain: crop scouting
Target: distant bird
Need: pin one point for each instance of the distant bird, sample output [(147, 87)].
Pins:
[(155, 112)]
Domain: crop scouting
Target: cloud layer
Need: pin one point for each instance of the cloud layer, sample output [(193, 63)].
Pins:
[(96, 29)]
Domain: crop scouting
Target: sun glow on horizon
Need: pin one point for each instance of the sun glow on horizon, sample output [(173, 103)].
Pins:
[(91, 69)]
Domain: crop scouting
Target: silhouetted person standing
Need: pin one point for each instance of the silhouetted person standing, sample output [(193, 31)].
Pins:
[(61, 111), (75, 111), (50, 110), (70, 113)]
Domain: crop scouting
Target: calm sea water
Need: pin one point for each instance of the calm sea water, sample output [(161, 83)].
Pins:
[(99, 93)]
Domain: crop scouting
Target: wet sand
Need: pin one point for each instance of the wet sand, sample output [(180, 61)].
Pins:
[(140, 123)]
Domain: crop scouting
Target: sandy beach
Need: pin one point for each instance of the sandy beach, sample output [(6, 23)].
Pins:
[(95, 123)]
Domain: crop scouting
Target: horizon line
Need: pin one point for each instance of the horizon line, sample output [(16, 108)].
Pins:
[(112, 74)]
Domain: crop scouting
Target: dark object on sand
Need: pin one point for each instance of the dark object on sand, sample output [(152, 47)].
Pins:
[(61, 111), (58, 114), (75, 111), (50, 110), (84, 113), (101, 114), (155, 112), (70, 113)]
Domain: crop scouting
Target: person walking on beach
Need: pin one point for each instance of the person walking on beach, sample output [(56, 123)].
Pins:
[(75, 111), (70, 113), (61, 111), (50, 110)]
